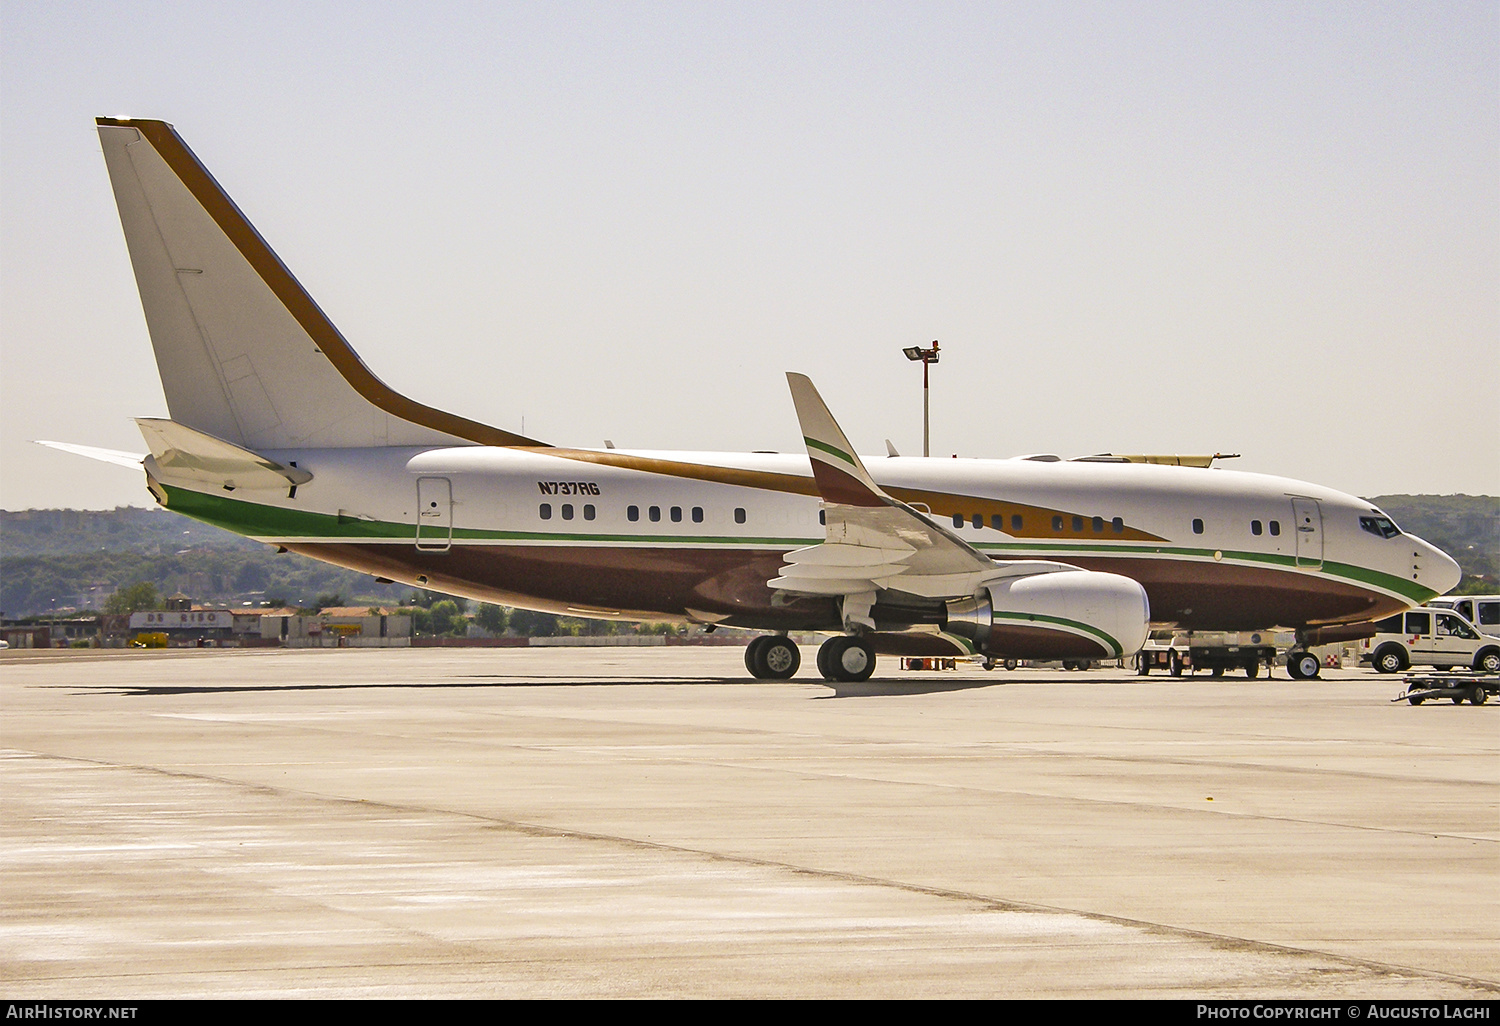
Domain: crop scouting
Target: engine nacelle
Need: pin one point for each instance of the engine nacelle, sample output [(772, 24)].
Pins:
[(1070, 614)]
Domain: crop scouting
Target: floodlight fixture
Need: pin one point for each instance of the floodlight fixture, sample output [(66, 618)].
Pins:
[(928, 357)]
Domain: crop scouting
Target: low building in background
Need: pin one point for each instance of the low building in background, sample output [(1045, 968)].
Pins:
[(350, 627)]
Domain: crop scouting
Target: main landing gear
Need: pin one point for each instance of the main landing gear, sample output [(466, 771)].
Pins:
[(772, 657), (845, 659)]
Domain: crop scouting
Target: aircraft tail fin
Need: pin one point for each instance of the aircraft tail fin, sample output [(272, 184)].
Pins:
[(245, 354)]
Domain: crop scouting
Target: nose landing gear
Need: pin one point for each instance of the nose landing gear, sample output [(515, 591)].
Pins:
[(1302, 665)]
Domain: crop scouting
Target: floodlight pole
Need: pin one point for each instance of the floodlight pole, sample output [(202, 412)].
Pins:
[(928, 357)]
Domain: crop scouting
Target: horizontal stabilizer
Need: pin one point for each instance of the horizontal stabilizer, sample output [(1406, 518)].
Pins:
[(115, 456), (181, 454)]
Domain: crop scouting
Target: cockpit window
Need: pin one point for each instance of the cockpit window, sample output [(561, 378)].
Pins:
[(1381, 525)]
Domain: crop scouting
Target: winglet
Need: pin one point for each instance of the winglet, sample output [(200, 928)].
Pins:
[(841, 476)]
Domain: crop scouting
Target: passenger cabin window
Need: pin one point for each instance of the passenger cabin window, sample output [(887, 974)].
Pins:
[(1057, 523), (654, 514), (1255, 528), (632, 513), (1275, 527), (823, 517), (588, 512), (697, 514), (1015, 522), (1078, 525), (739, 514), (1381, 526), (1197, 525), (958, 520), (978, 520), (676, 514), (1098, 525), (567, 511), (545, 511), (1118, 525)]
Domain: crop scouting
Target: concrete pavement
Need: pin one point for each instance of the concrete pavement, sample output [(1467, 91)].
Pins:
[(650, 822)]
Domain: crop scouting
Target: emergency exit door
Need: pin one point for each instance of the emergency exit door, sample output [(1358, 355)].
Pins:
[(434, 514)]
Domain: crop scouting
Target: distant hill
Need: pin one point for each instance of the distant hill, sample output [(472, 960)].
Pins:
[(1467, 527), (63, 558), (61, 532)]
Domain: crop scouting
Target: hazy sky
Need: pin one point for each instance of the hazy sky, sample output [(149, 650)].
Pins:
[(1269, 228)]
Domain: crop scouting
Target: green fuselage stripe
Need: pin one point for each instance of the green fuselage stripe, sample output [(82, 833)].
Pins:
[(271, 522)]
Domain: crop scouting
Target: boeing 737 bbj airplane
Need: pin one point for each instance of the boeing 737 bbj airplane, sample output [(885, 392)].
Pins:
[(279, 432)]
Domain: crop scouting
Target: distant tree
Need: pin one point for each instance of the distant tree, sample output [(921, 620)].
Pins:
[(328, 601), (446, 619), (491, 617), (530, 624), (133, 599)]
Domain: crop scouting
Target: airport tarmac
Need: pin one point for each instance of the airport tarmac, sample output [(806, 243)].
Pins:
[(652, 822)]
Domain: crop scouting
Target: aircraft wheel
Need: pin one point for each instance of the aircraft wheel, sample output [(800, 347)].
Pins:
[(825, 663), (752, 656), (779, 658), (850, 659), (1252, 669), (1303, 666)]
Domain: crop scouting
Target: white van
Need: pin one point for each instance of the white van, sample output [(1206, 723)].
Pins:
[(1432, 637), (1483, 611)]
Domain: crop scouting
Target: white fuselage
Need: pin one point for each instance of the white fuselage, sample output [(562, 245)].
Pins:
[(696, 535)]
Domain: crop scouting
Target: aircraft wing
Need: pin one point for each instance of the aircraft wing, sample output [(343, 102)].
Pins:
[(871, 540)]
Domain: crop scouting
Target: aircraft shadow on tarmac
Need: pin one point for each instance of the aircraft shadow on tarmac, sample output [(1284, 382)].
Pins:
[(863, 689), (885, 688)]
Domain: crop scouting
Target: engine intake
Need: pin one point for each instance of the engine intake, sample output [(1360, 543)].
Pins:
[(1069, 614)]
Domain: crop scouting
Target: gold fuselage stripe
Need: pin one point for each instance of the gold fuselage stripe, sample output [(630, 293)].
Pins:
[(1036, 521)]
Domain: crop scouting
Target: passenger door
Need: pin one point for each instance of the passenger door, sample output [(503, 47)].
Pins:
[(1307, 519)]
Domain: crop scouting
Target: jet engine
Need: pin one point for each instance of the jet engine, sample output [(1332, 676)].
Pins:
[(1069, 614)]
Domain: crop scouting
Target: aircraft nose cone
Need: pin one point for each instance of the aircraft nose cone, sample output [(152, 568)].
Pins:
[(1434, 568)]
